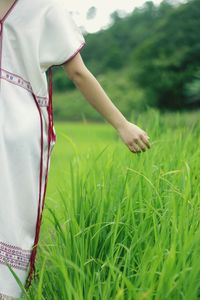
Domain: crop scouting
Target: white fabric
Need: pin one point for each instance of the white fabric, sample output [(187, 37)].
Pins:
[(35, 35), (4, 297)]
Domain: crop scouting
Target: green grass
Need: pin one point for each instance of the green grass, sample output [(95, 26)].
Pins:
[(117, 225)]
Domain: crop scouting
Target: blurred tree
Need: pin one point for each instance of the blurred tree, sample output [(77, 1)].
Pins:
[(115, 16), (60, 81), (91, 13), (192, 88), (158, 45), (166, 61)]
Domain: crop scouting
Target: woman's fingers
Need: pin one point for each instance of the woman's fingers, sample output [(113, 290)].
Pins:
[(145, 140), (134, 147), (142, 145), (134, 137), (139, 144)]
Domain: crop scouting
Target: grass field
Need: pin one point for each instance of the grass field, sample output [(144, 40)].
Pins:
[(117, 225)]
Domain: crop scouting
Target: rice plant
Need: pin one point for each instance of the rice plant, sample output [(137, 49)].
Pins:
[(117, 225)]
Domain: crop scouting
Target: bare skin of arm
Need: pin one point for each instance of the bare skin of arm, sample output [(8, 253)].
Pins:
[(135, 138)]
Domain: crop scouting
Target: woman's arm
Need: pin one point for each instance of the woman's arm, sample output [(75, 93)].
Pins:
[(134, 137)]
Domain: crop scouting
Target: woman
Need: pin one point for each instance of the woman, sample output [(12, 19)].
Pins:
[(31, 43)]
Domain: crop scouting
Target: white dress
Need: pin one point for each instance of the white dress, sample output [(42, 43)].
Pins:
[(34, 36)]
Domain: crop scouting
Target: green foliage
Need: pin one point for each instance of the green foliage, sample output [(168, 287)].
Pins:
[(121, 38), (157, 51), (192, 89), (60, 81), (117, 225), (166, 61)]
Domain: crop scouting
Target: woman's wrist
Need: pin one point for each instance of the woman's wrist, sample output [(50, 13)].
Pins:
[(121, 123)]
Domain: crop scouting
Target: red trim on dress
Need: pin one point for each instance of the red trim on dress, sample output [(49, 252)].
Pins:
[(19, 81), (14, 256), (51, 137), (39, 215), (73, 55)]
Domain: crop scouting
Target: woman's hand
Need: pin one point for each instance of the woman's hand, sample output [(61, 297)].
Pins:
[(134, 137)]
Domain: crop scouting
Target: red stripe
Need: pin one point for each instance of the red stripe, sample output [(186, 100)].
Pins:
[(19, 81), (74, 54), (39, 220), (50, 129)]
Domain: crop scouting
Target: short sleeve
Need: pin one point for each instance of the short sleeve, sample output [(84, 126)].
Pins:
[(61, 38)]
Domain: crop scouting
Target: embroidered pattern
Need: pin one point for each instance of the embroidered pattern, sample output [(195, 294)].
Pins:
[(17, 80), (14, 256)]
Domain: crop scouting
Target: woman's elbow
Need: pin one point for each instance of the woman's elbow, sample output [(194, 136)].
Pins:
[(78, 74)]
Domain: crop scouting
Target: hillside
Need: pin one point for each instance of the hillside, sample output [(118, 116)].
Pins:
[(153, 55)]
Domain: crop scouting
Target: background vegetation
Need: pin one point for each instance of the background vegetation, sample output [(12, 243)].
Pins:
[(122, 226), (150, 58)]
